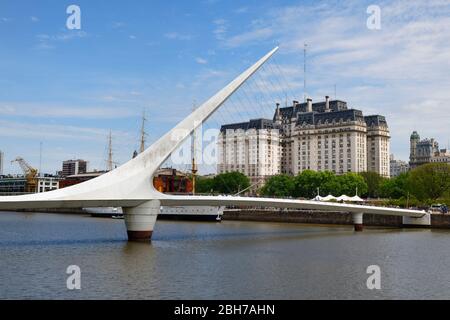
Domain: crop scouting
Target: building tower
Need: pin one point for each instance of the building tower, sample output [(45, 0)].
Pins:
[(277, 118), (413, 141)]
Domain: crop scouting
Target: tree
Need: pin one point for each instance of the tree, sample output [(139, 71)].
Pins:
[(279, 186), (230, 182), (374, 182), (395, 187), (351, 182), (204, 185), (430, 181), (307, 182)]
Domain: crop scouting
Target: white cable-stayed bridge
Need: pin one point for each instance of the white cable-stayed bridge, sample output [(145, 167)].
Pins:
[(130, 186)]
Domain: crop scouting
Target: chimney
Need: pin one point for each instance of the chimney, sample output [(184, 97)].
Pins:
[(309, 105), (327, 104), (277, 113)]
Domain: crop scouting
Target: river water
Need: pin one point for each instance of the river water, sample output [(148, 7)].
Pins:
[(228, 260)]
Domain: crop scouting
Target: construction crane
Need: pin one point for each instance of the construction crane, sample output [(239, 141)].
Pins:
[(30, 174)]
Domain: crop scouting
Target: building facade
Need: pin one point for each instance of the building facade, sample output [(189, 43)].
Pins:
[(398, 166), (252, 148), (426, 151), (442, 157), (79, 178), (13, 185), (74, 167), (17, 185), (2, 156), (323, 136), (47, 183), (327, 136), (170, 180)]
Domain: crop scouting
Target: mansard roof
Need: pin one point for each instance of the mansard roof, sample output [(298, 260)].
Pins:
[(375, 120), (314, 118), (292, 111), (252, 124)]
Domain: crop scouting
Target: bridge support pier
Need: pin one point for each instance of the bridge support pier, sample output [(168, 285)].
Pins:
[(358, 221), (140, 220)]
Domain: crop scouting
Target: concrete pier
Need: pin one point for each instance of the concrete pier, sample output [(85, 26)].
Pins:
[(141, 220), (358, 221)]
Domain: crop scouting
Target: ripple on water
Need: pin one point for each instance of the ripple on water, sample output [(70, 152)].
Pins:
[(228, 260)]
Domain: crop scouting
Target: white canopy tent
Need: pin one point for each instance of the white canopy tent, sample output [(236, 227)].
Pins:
[(340, 198), (357, 199)]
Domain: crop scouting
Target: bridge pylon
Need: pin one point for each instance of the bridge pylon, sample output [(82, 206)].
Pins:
[(140, 220), (358, 221)]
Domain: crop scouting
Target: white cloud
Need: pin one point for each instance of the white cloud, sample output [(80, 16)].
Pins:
[(252, 36), (34, 110), (34, 19), (241, 10), (177, 36), (118, 24), (201, 60), (46, 41)]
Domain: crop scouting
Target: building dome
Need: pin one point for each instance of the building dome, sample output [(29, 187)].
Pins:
[(415, 136)]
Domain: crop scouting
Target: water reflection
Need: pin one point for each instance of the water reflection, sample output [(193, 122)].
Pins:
[(230, 260)]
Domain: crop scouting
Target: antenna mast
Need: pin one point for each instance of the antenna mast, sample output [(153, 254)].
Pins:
[(110, 153), (142, 147), (304, 71), (194, 165), (40, 159)]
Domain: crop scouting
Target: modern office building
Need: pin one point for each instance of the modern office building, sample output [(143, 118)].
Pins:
[(307, 136), (17, 185), (13, 185), (47, 183), (74, 167)]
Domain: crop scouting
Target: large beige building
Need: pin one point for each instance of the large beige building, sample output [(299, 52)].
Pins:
[(315, 136), (252, 148)]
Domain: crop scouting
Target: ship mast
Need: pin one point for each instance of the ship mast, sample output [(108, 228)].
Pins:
[(110, 153), (194, 165)]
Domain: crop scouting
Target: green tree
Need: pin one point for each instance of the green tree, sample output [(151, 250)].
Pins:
[(204, 185), (230, 182), (279, 186), (307, 182), (430, 181), (350, 182), (374, 182), (395, 187)]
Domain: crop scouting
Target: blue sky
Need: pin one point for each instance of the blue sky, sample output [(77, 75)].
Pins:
[(68, 88)]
